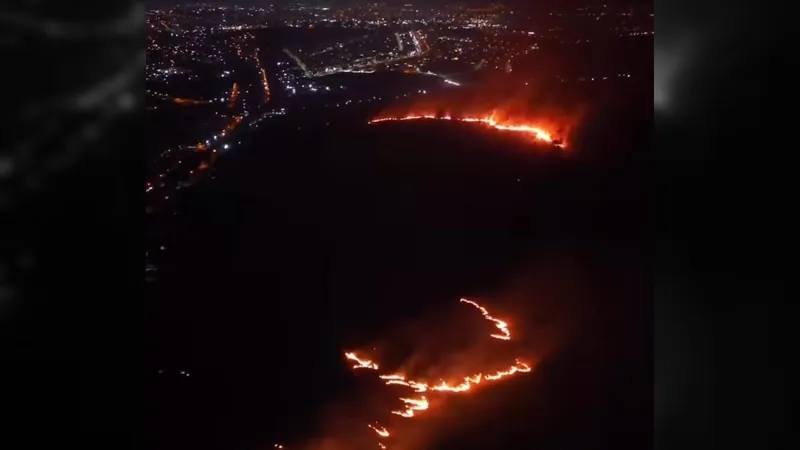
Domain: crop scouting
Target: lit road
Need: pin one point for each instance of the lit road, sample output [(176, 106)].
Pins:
[(189, 164)]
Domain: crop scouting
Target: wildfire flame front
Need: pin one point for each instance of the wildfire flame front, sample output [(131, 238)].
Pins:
[(414, 406), (536, 132), (361, 363)]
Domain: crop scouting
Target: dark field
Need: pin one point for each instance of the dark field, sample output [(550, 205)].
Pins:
[(312, 241)]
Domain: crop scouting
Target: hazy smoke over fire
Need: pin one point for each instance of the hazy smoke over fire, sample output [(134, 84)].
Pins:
[(416, 396)]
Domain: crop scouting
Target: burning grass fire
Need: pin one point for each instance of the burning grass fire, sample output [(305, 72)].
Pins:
[(421, 394), (412, 406), (536, 132), (360, 363)]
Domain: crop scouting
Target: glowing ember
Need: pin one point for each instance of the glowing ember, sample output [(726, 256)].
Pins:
[(380, 430), (360, 363), (537, 133)]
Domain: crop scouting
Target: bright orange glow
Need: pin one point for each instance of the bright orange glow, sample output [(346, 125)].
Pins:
[(265, 85), (360, 363), (517, 367), (232, 125), (502, 326), (189, 101), (394, 376), (413, 406), (382, 432), (234, 95), (401, 380), (532, 130)]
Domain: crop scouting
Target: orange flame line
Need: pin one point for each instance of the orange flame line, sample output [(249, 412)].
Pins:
[(536, 132), (421, 403), (517, 367), (412, 405), (361, 363), (502, 326)]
